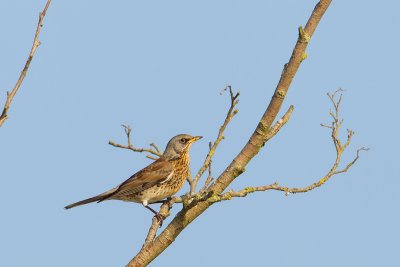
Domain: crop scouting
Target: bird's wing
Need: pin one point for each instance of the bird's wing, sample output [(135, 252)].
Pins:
[(157, 172)]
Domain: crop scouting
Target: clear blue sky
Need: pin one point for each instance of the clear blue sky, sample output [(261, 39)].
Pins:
[(159, 66)]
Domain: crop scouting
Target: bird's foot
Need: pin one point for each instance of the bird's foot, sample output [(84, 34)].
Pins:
[(160, 218)]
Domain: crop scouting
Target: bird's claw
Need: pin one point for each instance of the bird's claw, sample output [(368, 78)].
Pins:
[(160, 218)]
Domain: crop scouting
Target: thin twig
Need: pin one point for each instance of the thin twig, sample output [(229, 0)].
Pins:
[(354, 160), (35, 45), (231, 113), (156, 152), (279, 124), (156, 148), (209, 177)]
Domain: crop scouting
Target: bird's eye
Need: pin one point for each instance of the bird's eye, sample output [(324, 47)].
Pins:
[(184, 140)]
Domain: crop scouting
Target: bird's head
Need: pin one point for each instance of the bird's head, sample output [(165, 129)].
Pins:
[(178, 145)]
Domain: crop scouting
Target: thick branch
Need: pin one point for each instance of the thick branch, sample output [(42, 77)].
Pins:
[(260, 135), (36, 43), (152, 249)]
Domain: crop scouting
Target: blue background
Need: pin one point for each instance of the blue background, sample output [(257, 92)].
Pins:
[(160, 66)]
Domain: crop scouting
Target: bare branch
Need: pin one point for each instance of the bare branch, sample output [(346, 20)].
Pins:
[(354, 160), (209, 177), (156, 148), (279, 124), (156, 152), (231, 113), (155, 223), (151, 157), (275, 186), (36, 43), (333, 171)]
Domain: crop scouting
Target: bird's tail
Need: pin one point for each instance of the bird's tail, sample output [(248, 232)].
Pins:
[(97, 198)]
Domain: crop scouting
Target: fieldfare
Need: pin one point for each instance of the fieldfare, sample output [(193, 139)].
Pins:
[(158, 181)]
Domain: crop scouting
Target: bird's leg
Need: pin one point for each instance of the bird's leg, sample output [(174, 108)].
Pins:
[(155, 212), (170, 202), (158, 202), (162, 201), (159, 217)]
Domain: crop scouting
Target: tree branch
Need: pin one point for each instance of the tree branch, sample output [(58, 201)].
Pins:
[(213, 146), (333, 171), (260, 135), (36, 43), (209, 177), (156, 151), (156, 223)]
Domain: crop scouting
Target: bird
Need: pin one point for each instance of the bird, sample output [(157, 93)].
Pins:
[(158, 181)]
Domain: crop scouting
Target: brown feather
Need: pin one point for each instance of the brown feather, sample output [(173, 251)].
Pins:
[(153, 174), (97, 198)]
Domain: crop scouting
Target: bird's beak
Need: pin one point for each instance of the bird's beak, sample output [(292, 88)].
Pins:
[(194, 139)]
